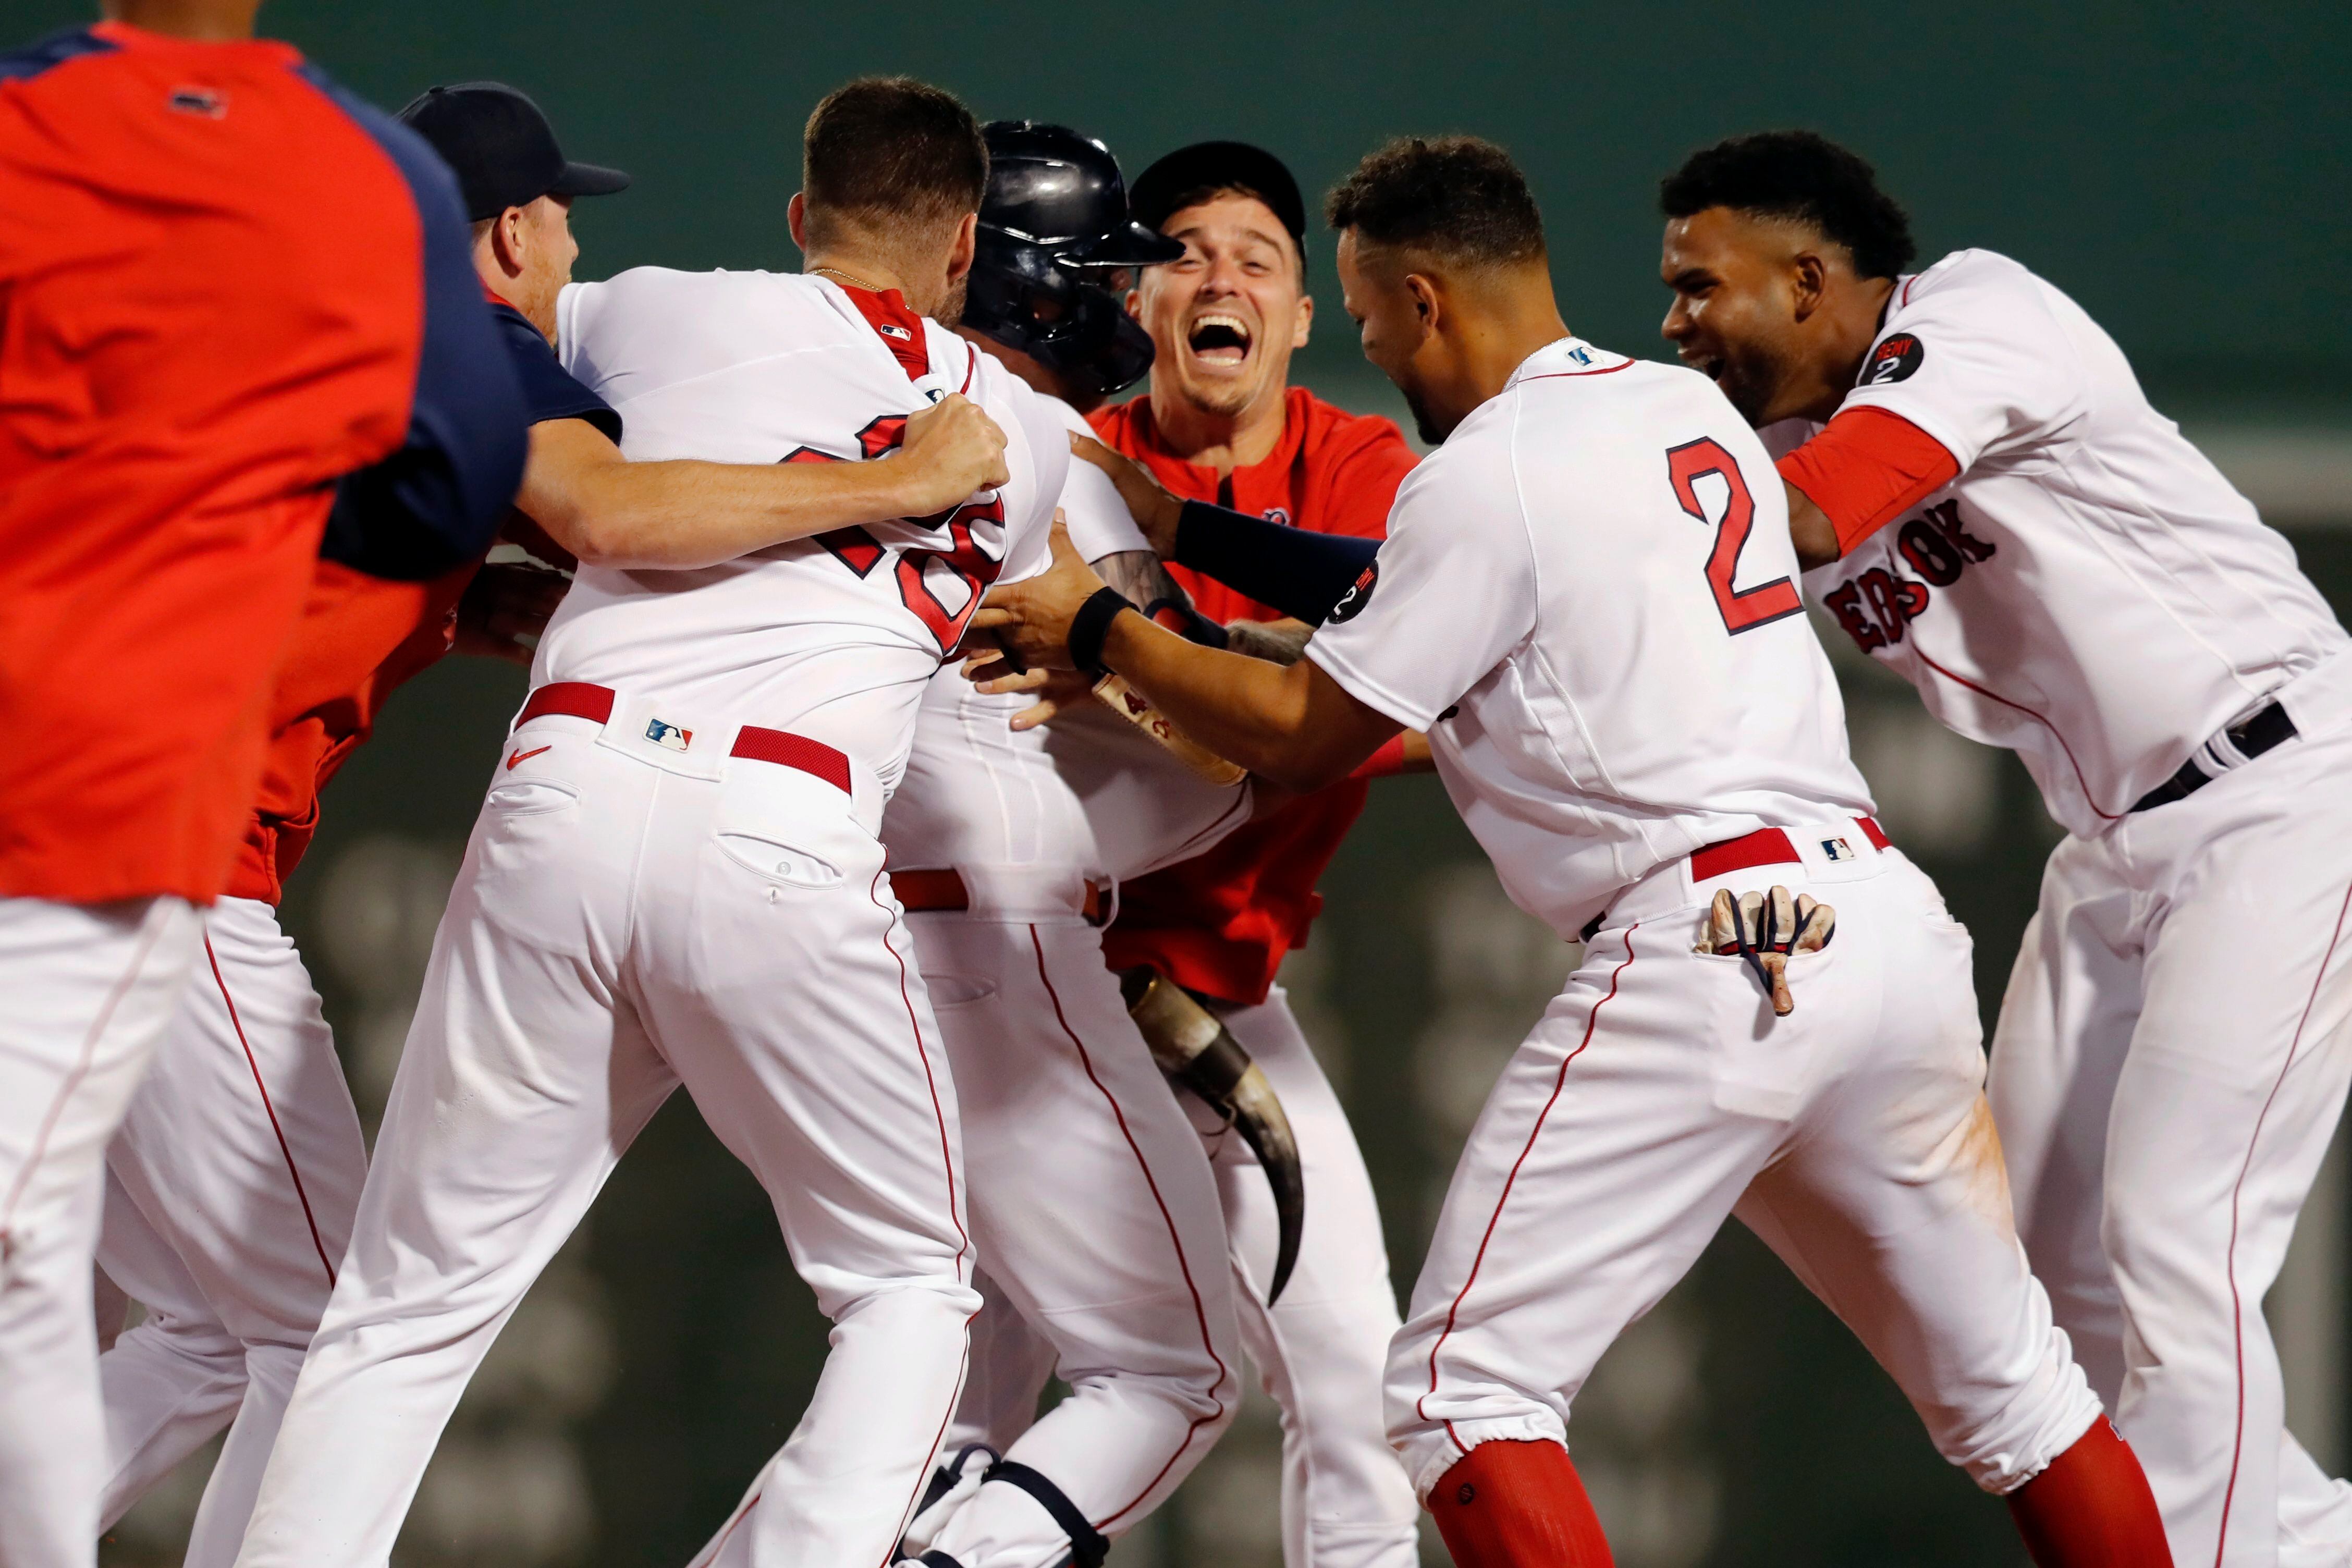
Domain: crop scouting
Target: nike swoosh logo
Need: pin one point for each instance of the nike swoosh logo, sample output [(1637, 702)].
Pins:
[(524, 757)]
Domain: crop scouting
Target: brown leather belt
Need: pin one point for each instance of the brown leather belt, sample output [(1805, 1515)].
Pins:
[(929, 891)]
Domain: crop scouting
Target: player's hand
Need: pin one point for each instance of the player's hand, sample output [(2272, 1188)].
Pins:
[(1031, 618), (1768, 929), (1155, 510), (952, 451), (504, 610)]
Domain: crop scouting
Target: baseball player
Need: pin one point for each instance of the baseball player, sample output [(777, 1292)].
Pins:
[(228, 284), (1584, 598), (1093, 1213), (234, 1178), (1221, 424), (676, 879), (1991, 508)]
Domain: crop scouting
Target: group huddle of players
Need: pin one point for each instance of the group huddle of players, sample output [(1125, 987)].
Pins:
[(929, 762)]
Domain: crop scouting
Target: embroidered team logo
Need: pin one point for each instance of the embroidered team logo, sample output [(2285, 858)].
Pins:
[(670, 735), (1894, 359), (1277, 514), (1359, 593), (1837, 849)]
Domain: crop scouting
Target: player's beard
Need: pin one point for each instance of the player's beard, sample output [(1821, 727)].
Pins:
[(1424, 423), (1751, 378), (950, 311)]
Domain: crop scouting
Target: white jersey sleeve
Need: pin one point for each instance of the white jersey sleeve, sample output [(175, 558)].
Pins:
[(1973, 356), (1099, 522), (1451, 593)]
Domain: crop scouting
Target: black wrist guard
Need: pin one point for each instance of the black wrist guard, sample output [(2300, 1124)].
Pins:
[(1091, 625)]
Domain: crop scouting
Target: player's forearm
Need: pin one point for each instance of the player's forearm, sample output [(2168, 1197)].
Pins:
[(1245, 710), (684, 514)]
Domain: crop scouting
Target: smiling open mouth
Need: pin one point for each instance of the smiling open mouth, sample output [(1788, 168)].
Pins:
[(1219, 339)]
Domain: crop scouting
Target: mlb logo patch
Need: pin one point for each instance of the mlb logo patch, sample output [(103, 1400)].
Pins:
[(670, 735), (1579, 356), (1837, 849), (892, 330)]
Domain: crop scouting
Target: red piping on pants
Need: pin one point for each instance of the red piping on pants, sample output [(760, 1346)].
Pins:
[(1559, 1083), (1199, 1313), (2238, 1306), (270, 1110)]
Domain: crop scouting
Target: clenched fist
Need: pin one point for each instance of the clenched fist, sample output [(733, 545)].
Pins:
[(952, 451)]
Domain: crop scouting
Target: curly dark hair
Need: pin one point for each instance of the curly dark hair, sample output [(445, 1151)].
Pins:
[(1456, 196), (1803, 176)]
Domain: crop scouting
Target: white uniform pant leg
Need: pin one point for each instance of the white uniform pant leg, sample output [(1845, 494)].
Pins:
[(1629, 1123), (524, 1077), (1097, 1211), (789, 1002), (1346, 1502), (1011, 1364), (170, 1384), (89, 990), (243, 1153), (2233, 1086), (1891, 1204)]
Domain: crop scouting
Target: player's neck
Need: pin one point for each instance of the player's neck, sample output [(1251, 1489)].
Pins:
[(1214, 440), (853, 268), (198, 21), (1847, 326)]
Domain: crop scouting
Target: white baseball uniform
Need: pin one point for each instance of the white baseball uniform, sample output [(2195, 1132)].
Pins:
[(1091, 1206), (1586, 596), (230, 1191), (91, 989), (675, 879), (2172, 1055)]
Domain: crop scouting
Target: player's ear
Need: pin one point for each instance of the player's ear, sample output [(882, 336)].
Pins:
[(796, 218), (1426, 306), (967, 242), (1809, 281), (1304, 323)]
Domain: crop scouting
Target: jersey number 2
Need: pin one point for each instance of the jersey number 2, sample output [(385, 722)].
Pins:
[(1743, 610)]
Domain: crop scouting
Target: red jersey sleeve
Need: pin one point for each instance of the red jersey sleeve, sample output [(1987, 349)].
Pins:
[(1364, 479), (1866, 469)]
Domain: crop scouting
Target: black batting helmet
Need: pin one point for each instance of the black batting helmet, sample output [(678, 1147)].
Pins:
[(1054, 232)]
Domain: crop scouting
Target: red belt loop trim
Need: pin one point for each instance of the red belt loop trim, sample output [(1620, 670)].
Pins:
[(790, 750), (1875, 833), (1765, 846), (571, 698)]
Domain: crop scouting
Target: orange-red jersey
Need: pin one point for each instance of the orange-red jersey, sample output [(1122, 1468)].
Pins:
[(223, 286), (1219, 923), (361, 636)]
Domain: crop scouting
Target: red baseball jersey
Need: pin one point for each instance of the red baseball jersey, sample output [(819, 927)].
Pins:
[(1219, 923), (214, 277)]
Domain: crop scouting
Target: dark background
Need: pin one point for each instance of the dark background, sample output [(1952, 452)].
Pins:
[(2184, 175)]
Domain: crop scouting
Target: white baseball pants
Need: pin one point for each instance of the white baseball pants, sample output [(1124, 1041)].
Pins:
[(2170, 1062), (1659, 1094), (628, 919), (1096, 1219), (1346, 1502), (230, 1191), (88, 991)]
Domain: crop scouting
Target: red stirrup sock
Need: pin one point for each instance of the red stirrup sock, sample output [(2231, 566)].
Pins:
[(1517, 1505), (2091, 1509)]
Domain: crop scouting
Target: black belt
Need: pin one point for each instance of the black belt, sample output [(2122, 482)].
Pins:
[(2265, 729)]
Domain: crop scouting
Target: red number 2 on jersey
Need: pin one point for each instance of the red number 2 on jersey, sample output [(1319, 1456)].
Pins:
[(963, 558), (1743, 611)]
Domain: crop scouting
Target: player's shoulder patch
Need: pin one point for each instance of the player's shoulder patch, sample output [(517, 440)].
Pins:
[(1359, 593), (1895, 358)]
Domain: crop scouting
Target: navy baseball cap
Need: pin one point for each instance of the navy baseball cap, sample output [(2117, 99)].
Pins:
[(1215, 165), (501, 148)]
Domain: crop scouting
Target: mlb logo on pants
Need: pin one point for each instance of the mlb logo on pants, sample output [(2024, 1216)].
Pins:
[(670, 735), (1837, 849)]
